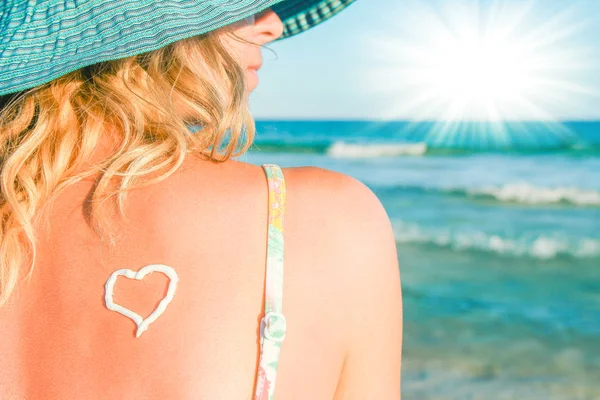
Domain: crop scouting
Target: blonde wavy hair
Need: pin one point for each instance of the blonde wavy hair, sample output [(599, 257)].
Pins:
[(145, 103)]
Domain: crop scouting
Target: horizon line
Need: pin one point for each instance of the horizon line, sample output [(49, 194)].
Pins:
[(333, 119)]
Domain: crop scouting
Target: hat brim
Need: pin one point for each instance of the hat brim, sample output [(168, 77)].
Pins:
[(301, 15), (40, 42)]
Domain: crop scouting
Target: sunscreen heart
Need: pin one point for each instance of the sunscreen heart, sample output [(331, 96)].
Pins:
[(142, 323)]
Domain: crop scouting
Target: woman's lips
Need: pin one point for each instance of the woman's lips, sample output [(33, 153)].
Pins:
[(253, 69)]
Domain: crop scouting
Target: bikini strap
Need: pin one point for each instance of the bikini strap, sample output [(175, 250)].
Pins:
[(273, 323)]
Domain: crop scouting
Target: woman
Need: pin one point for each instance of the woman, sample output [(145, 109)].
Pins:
[(103, 176)]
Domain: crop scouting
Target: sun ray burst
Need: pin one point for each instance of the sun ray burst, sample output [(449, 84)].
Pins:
[(494, 61)]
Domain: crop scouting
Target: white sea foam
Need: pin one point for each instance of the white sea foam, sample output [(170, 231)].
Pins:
[(341, 149), (541, 247), (526, 193)]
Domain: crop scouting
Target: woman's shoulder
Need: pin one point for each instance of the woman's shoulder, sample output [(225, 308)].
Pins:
[(339, 202), (363, 276), (320, 203), (342, 220), (329, 216)]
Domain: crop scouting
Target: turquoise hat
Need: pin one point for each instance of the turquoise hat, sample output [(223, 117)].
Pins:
[(41, 40)]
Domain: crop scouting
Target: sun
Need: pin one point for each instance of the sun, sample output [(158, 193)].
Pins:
[(479, 61), (477, 73)]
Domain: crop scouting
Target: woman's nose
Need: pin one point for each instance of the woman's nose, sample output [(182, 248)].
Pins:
[(268, 26)]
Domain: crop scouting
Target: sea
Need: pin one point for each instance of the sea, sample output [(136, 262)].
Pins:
[(497, 228)]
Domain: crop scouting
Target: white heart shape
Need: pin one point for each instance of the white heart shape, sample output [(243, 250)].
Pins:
[(141, 323)]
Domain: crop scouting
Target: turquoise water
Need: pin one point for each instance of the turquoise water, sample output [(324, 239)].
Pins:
[(498, 236)]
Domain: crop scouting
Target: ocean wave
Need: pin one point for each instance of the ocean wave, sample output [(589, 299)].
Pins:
[(526, 193), (542, 247), (348, 150), (516, 192)]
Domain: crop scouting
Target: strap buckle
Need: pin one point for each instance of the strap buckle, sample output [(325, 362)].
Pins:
[(273, 326)]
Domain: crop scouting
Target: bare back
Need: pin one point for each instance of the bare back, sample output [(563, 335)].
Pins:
[(208, 222)]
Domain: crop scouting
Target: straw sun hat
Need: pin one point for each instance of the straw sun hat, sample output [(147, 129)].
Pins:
[(41, 40)]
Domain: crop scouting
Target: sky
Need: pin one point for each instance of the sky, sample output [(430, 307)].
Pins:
[(439, 60)]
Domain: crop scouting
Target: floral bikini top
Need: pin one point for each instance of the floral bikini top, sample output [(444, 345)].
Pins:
[(273, 324)]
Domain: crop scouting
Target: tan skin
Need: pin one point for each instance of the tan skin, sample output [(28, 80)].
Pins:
[(208, 221)]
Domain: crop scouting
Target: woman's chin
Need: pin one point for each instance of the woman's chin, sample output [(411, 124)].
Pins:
[(251, 80)]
